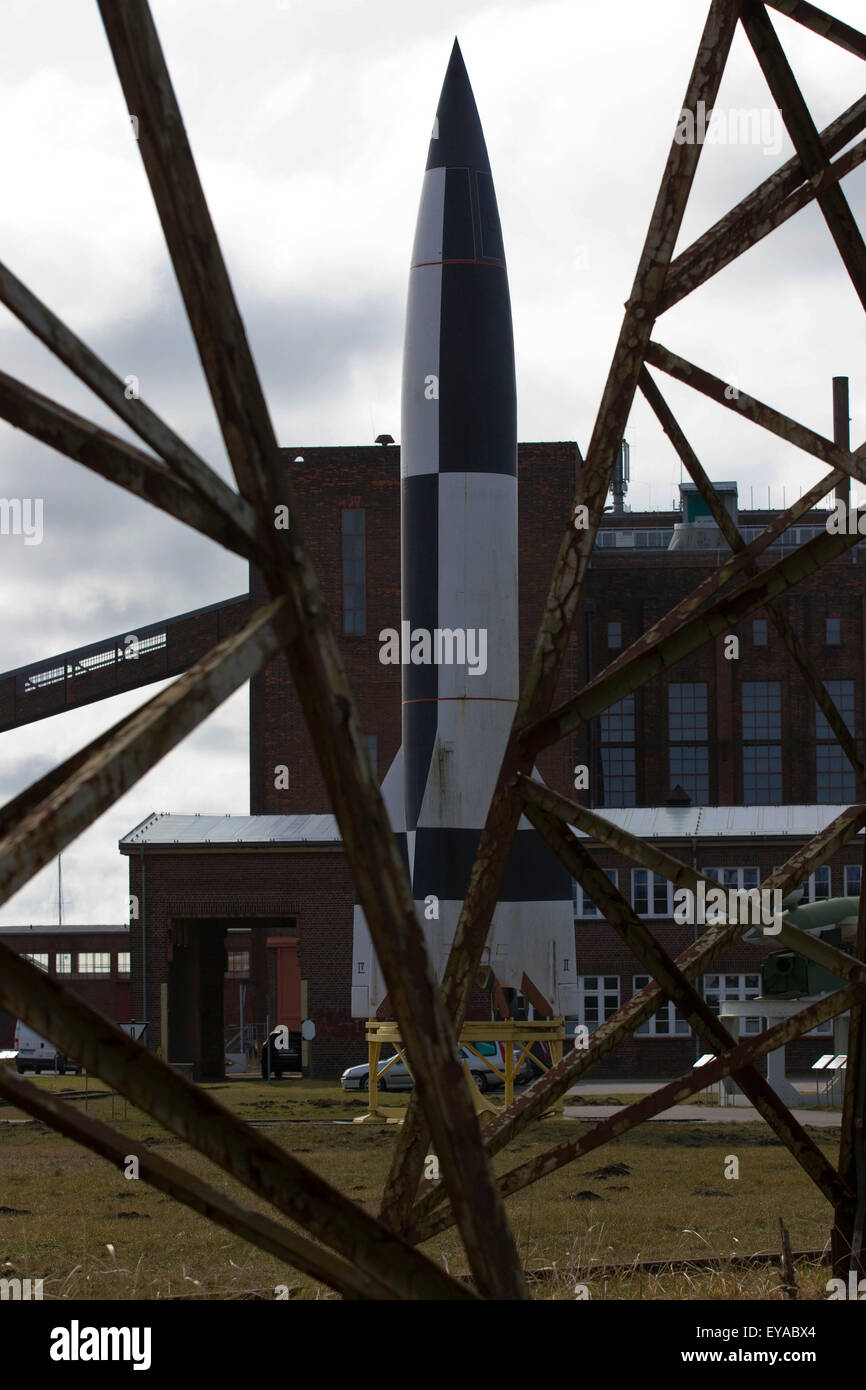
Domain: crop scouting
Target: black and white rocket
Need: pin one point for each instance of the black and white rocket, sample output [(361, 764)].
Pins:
[(458, 637)]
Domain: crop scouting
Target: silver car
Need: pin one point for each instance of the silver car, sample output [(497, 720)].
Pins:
[(398, 1077)]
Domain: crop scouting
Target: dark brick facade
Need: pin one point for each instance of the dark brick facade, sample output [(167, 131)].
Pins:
[(305, 893), (311, 890), (109, 993)]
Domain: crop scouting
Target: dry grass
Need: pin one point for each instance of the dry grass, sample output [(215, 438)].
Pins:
[(89, 1233)]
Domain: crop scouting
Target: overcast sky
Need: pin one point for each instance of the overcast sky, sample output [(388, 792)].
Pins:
[(310, 123)]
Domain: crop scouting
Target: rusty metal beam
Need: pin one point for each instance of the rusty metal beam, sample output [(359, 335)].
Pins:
[(824, 24), (688, 637), (847, 1235), (806, 140), (195, 1116), (768, 205), (569, 575), (720, 577), (120, 463), (741, 403), (637, 937), (683, 875), (752, 228), (311, 649), (260, 1230), (97, 777), (728, 527), (698, 957), (428, 1223), (90, 369), (611, 836)]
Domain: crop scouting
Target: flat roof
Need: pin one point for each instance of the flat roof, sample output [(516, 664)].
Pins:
[(719, 822), (646, 822), (161, 828), (63, 928)]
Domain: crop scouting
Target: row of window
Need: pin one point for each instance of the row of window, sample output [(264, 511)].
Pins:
[(832, 633), (599, 997), (81, 962), (688, 755), (652, 895), (659, 538)]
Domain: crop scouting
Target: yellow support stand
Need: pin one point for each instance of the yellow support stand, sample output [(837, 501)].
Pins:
[(511, 1032)]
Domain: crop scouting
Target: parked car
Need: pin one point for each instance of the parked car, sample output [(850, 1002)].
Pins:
[(33, 1053), (276, 1059), (398, 1077)]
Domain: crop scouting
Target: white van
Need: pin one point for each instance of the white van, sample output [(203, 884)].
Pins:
[(33, 1053)]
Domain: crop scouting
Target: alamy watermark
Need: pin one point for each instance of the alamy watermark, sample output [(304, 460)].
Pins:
[(720, 125), (444, 646), (22, 516), (757, 907)]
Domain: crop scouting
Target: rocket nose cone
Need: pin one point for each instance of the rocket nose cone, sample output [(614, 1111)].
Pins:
[(458, 140)]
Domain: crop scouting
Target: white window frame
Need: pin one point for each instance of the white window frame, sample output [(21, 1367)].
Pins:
[(96, 968), (656, 880), (824, 871), (850, 892), (605, 985), (677, 1026), (582, 901), (718, 872), (749, 1026)]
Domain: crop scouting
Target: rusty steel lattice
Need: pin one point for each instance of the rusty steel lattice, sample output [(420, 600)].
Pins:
[(354, 1253)]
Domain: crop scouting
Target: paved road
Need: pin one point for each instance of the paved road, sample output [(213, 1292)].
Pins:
[(705, 1114), (702, 1114)]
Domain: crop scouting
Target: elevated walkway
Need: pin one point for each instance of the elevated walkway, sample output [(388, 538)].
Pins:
[(134, 658)]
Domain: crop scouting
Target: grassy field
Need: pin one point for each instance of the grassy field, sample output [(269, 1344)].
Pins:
[(73, 1220)]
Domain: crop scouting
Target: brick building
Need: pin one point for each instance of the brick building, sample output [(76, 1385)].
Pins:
[(93, 961), (735, 730)]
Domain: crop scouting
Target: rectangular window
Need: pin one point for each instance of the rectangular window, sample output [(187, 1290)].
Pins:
[(689, 760), (94, 962), (762, 774), (762, 709), (40, 959), (719, 987), (834, 776), (354, 572), (654, 901), (238, 963), (818, 885), (667, 1023), (372, 743), (614, 635), (842, 695), (619, 776), (852, 880), (63, 963), (584, 906), (687, 712), (617, 723), (690, 769), (597, 998), (734, 878), (759, 632), (833, 632), (124, 962)]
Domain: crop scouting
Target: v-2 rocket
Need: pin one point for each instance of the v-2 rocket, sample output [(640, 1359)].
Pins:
[(458, 639)]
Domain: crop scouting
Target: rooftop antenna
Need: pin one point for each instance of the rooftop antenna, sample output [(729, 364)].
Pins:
[(621, 478), (59, 891)]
